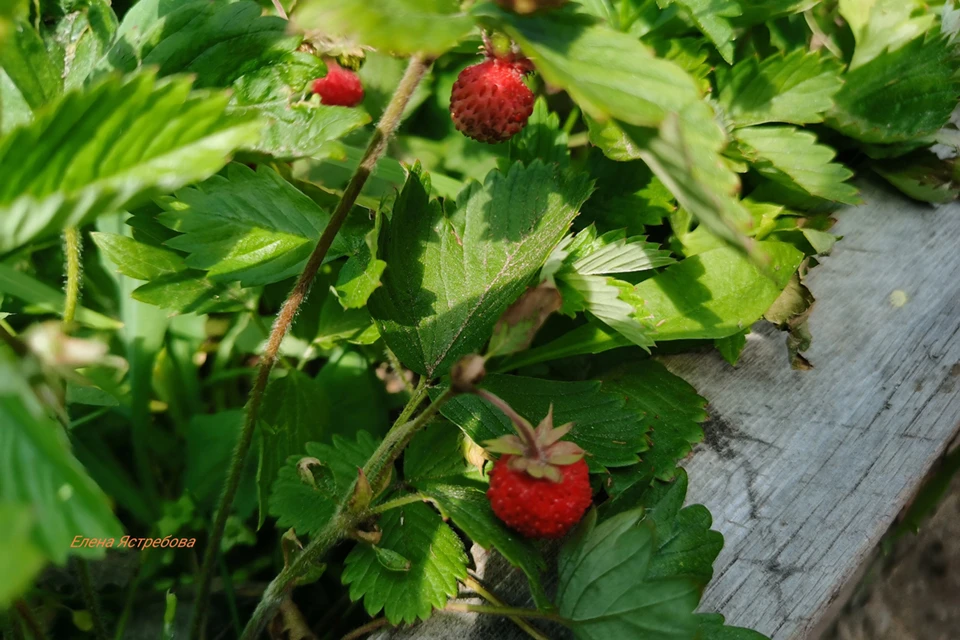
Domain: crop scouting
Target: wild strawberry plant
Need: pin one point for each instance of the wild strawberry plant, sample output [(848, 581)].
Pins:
[(269, 358)]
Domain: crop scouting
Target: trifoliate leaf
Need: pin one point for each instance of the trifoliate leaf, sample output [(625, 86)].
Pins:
[(793, 157), (453, 271), (308, 488), (797, 88), (881, 25), (437, 560), (899, 96), (710, 18), (429, 26), (569, 49), (607, 587), (611, 433), (39, 472), (246, 225), (716, 293), (670, 412), (109, 147), (710, 626)]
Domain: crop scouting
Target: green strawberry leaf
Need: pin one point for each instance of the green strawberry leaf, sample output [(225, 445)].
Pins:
[(246, 225), (22, 560), (610, 432), (731, 347), (793, 157), (797, 88), (710, 18), (82, 37), (613, 252), (669, 411), (717, 293), (25, 61), (922, 175), (138, 260), (628, 195), (452, 271), (609, 300), (108, 148), (609, 586), (308, 488), (429, 26), (38, 471), (437, 560), (361, 274), (882, 25), (899, 96), (542, 139), (210, 440)]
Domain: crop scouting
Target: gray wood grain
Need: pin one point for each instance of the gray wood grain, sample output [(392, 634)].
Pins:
[(805, 471)]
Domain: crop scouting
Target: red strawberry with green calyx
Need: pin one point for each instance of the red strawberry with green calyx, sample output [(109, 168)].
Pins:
[(540, 486)]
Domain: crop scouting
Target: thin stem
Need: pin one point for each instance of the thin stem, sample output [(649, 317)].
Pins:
[(71, 247), (397, 502), (419, 393), (378, 143), (280, 9), (464, 607), (31, 621), (342, 521), (479, 589), (366, 629), (90, 598)]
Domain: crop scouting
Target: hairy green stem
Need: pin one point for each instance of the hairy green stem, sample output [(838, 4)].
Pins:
[(416, 398), (472, 583), (71, 247), (397, 502), (378, 143), (398, 370), (511, 612), (90, 598), (343, 521)]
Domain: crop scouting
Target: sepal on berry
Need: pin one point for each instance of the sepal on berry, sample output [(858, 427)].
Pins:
[(538, 452)]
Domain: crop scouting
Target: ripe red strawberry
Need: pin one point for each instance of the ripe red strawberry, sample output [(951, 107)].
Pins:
[(490, 102), (541, 487), (340, 87), (539, 507)]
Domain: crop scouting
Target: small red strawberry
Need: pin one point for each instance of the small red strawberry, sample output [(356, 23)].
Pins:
[(340, 87), (490, 101), (541, 487)]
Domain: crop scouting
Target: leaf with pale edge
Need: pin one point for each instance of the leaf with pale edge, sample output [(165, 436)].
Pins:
[(108, 148), (669, 412), (899, 96), (609, 300), (429, 26), (797, 88), (434, 465), (609, 586), (881, 25), (716, 293), (606, 72), (437, 560), (38, 471), (793, 157), (307, 505), (246, 225), (610, 432), (452, 272)]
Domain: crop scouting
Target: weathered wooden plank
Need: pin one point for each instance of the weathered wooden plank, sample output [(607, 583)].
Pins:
[(804, 471)]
